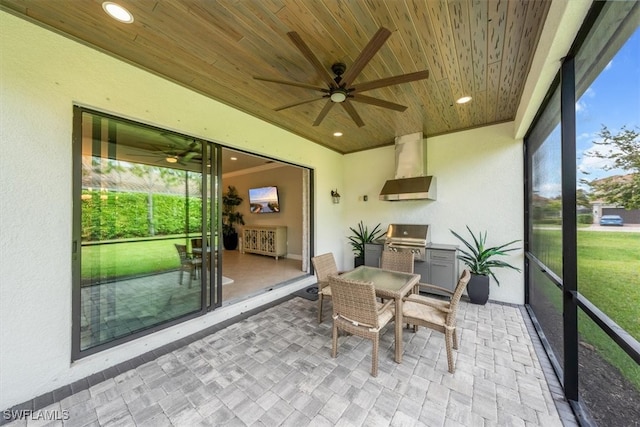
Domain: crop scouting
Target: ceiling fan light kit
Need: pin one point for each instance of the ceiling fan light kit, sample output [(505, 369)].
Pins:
[(341, 89), (338, 95)]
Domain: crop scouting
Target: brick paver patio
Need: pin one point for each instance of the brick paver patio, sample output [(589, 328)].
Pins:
[(275, 368)]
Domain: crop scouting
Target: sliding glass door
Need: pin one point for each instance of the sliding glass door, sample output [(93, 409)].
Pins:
[(145, 220)]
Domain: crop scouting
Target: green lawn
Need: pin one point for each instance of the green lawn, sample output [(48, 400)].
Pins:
[(609, 276), (129, 258)]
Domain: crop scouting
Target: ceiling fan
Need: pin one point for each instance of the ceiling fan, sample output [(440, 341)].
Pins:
[(174, 155), (341, 89), (176, 151)]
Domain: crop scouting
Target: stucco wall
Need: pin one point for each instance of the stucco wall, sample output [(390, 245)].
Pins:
[(479, 183), (42, 76)]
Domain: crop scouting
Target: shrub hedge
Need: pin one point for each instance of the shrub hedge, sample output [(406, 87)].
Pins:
[(108, 216)]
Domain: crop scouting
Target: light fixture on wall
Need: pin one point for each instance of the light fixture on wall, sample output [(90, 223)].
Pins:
[(335, 195)]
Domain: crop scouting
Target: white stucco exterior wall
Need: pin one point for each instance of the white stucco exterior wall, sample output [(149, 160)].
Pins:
[(479, 183), (42, 75)]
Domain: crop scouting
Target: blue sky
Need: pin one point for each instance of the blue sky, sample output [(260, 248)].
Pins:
[(613, 99)]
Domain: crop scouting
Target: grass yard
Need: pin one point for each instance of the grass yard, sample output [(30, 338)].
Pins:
[(129, 258), (608, 272), (609, 276)]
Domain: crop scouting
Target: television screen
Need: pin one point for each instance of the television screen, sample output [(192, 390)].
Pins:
[(264, 200)]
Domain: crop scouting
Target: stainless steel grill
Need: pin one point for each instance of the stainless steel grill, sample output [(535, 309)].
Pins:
[(408, 238)]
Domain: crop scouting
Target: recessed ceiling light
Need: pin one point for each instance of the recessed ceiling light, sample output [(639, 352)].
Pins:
[(117, 12), (463, 100), (337, 134), (233, 158)]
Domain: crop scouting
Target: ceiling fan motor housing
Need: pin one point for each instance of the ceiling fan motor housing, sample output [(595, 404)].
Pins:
[(338, 69)]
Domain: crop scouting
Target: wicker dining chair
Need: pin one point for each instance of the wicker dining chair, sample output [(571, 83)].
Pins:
[(188, 263), (397, 261), (356, 311), (324, 266), (196, 243), (421, 311)]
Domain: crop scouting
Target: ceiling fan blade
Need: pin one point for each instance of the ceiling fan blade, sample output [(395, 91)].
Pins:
[(295, 104), (286, 82), (377, 102), (389, 81), (365, 56), (188, 156), (323, 113), (302, 47), (353, 113)]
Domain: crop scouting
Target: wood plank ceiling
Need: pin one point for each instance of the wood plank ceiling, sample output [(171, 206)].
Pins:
[(479, 48)]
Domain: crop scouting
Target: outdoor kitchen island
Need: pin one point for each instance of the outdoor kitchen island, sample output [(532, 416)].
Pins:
[(439, 267)]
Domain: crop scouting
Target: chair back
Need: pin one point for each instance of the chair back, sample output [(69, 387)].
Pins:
[(397, 261), (182, 252), (354, 301), (457, 294), (196, 243), (325, 266)]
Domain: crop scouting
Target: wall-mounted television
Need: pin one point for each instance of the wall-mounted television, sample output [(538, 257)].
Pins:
[(264, 200)]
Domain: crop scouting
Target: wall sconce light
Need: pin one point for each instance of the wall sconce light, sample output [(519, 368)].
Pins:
[(335, 195)]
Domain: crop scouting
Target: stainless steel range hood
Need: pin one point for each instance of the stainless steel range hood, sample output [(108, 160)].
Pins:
[(411, 181)]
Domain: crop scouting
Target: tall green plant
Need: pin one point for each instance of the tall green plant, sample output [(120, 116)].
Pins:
[(230, 201), (480, 259), (362, 236)]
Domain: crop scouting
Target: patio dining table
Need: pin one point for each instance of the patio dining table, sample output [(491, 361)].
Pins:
[(388, 284)]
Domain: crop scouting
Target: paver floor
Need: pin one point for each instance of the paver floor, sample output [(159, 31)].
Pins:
[(275, 369)]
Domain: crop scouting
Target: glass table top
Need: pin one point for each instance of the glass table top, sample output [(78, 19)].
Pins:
[(382, 279)]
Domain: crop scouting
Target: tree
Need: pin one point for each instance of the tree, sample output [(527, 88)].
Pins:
[(623, 153)]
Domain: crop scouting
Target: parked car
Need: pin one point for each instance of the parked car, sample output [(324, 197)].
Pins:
[(611, 220)]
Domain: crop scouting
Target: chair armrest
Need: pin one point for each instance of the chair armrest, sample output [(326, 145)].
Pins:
[(428, 303), (385, 306), (436, 288), (323, 284)]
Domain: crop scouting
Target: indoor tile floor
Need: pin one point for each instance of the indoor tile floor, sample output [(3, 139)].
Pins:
[(274, 368)]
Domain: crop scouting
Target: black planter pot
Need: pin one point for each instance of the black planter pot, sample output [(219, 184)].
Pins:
[(478, 289), (230, 241), (357, 261)]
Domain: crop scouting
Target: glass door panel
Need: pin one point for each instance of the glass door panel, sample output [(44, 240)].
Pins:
[(141, 207)]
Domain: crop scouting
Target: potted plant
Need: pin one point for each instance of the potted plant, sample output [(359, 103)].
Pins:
[(481, 262), (359, 238), (230, 201)]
